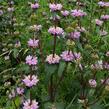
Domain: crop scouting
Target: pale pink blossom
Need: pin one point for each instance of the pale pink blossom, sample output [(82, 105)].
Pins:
[(33, 43), (65, 13), (30, 104), (10, 9), (67, 56), (106, 65), (56, 31), (36, 27), (12, 94), (78, 13), (103, 33), (35, 6), (53, 60), (98, 22), (20, 90), (55, 7), (105, 17), (92, 83), (31, 60), (77, 55), (75, 35), (97, 66), (30, 80), (103, 4)]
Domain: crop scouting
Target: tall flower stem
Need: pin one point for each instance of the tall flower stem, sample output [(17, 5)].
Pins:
[(51, 89), (54, 46)]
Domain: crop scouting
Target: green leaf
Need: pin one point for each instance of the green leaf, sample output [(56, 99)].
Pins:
[(15, 53), (62, 66), (50, 69)]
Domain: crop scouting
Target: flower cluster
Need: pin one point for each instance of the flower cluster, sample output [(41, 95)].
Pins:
[(56, 31), (105, 17), (20, 90), (10, 9), (65, 13), (67, 56), (106, 65), (33, 43), (92, 83), (78, 13), (35, 27), (30, 104), (30, 80), (98, 22), (53, 59), (55, 7), (31, 60), (103, 4), (103, 33), (35, 6), (97, 66), (75, 35), (12, 94)]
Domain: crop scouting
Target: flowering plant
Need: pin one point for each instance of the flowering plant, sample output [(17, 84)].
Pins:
[(54, 54)]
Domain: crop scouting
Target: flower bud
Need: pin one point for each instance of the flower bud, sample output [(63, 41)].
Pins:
[(69, 29), (70, 43)]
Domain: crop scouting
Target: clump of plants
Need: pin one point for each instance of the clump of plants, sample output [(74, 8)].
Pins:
[(54, 54)]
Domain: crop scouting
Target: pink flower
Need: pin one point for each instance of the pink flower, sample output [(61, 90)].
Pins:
[(92, 83), (56, 31), (103, 4), (98, 22), (65, 13), (33, 43), (53, 60), (30, 80), (36, 27), (31, 60), (30, 104), (106, 65), (35, 6), (77, 55), (12, 94), (97, 66), (78, 13), (67, 56), (107, 4), (75, 35), (105, 17), (10, 9), (103, 33), (20, 91), (55, 7), (107, 54)]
